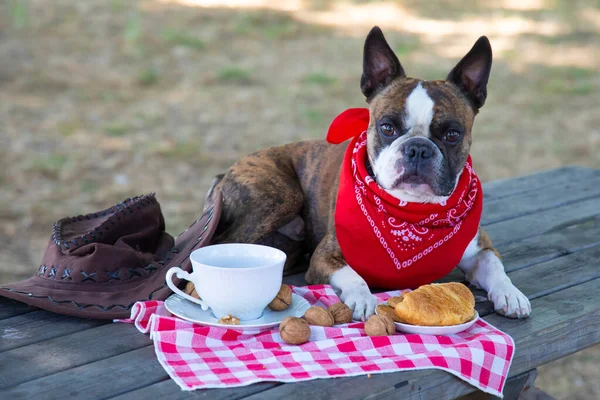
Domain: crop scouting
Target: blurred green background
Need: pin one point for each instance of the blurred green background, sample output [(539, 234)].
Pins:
[(104, 99)]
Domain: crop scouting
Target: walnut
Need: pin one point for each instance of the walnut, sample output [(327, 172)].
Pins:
[(317, 315), (294, 330), (191, 290), (382, 309), (379, 325), (282, 300), (342, 314), (392, 301), (229, 320)]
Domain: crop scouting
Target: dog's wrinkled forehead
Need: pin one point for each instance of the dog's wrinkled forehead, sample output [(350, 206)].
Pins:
[(419, 104)]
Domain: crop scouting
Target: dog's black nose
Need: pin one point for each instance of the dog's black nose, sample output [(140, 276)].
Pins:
[(416, 152)]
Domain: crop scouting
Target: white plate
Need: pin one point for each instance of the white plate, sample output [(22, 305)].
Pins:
[(435, 330), (189, 311)]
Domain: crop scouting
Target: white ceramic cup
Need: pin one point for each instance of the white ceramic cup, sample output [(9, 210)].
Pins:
[(233, 279)]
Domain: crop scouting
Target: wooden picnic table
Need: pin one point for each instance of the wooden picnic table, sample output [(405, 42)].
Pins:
[(546, 226)]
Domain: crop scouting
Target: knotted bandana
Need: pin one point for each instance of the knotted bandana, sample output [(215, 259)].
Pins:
[(393, 243)]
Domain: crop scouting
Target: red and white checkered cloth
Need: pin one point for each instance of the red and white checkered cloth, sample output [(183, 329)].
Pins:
[(198, 356)]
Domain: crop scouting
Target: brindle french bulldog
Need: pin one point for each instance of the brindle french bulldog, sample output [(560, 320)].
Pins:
[(286, 196)]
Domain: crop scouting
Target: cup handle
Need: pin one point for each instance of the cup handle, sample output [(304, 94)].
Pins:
[(181, 274)]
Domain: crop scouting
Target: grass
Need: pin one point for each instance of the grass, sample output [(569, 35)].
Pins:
[(69, 70), (147, 76), (182, 150), (538, 109), (88, 186), (117, 5), (320, 79), (510, 55), (178, 38), (19, 14), (315, 117), (68, 128), (567, 81), (133, 32), (267, 25), (562, 87), (429, 72), (47, 164), (407, 46), (234, 74), (116, 129)]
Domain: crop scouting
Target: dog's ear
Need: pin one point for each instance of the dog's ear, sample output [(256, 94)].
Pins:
[(380, 64), (471, 74)]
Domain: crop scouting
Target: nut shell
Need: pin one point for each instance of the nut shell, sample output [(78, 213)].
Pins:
[(342, 314), (191, 290), (379, 325), (317, 315), (382, 309), (229, 320), (294, 330), (282, 300)]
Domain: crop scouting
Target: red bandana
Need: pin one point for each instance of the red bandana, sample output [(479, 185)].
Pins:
[(391, 243)]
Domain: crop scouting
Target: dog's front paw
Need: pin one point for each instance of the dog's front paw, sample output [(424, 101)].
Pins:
[(509, 301), (354, 292), (361, 302)]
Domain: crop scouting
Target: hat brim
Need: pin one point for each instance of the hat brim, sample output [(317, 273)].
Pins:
[(114, 300)]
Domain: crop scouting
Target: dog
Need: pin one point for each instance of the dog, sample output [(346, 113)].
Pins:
[(417, 141)]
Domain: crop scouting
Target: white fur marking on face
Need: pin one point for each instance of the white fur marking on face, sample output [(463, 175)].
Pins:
[(354, 292), (419, 114), (419, 111), (384, 166), (409, 195)]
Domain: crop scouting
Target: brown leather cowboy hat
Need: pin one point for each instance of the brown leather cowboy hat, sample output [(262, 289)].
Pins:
[(98, 265)]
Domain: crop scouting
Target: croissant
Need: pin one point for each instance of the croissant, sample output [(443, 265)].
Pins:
[(437, 305)]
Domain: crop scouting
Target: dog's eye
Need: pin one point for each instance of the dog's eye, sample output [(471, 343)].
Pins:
[(387, 129), (452, 136)]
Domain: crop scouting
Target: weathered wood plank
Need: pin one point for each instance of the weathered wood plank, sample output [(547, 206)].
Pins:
[(558, 274), (503, 188), (169, 390), (517, 384), (534, 393), (554, 274), (566, 239), (512, 389), (38, 326), (549, 221), (564, 236), (539, 200), (100, 379), (66, 352), (10, 308), (544, 278), (549, 274), (562, 323), (550, 334), (514, 385), (517, 255)]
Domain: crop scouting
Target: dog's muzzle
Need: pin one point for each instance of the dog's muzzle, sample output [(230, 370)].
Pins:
[(420, 161)]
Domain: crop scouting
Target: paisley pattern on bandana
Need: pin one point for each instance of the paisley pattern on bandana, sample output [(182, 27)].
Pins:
[(397, 244)]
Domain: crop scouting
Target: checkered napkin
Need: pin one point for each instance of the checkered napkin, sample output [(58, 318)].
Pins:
[(208, 357)]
